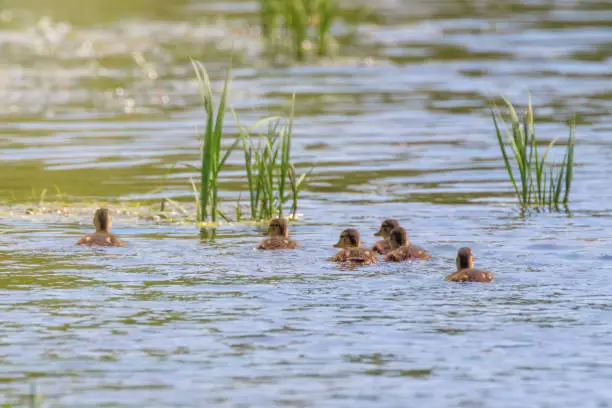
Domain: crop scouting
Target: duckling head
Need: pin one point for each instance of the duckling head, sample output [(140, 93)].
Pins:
[(349, 238), (102, 220), (278, 227), (386, 227), (465, 259), (398, 238)]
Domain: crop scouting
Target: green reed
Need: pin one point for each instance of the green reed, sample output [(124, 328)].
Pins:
[(306, 22), (271, 176), (297, 184), (211, 161), (538, 184)]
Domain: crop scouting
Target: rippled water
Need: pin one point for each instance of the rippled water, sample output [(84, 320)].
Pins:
[(100, 101)]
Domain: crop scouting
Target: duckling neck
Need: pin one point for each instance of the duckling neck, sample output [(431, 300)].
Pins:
[(397, 245), (102, 230), (461, 267), (347, 246)]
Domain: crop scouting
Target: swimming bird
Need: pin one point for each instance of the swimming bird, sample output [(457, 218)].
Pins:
[(465, 269), (102, 237), (352, 251), (384, 245), (401, 249), (278, 229)]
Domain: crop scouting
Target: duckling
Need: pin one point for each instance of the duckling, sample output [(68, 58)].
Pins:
[(352, 251), (384, 245), (401, 249), (103, 222), (465, 269), (278, 229)]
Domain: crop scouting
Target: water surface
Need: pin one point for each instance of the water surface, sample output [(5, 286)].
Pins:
[(101, 102)]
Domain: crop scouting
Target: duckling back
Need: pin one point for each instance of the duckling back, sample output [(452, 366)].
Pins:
[(407, 253), (101, 239), (277, 242), (356, 255), (382, 247), (470, 275)]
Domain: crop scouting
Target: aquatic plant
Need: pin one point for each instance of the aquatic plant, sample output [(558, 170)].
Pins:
[(211, 160), (271, 176), (539, 183), (307, 23)]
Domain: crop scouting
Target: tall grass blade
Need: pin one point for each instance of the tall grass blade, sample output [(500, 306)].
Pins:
[(540, 185), (207, 140), (196, 199), (569, 170), (560, 179), (296, 187), (286, 156), (210, 154), (502, 147)]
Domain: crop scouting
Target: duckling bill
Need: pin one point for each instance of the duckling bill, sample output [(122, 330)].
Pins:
[(402, 250), (352, 251), (102, 237), (278, 229), (466, 271), (384, 245)]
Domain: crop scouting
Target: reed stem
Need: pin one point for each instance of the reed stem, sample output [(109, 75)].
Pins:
[(539, 184)]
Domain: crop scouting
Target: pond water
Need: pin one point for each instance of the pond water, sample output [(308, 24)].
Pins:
[(100, 101)]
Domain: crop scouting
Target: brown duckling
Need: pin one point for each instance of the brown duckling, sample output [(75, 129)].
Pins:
[(384, 245), (401, 249), (278, 229), (103, 222), (352, 251), (465, 269)]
